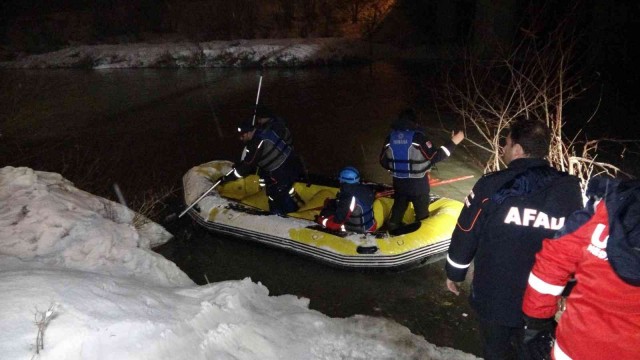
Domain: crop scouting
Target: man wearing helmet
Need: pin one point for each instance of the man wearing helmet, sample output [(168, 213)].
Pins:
[(269, 149), (352, 209), (408, 156)]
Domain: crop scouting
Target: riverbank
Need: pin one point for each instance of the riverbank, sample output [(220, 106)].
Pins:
[(290, 52)]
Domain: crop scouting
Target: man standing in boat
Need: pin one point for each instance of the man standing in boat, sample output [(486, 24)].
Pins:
[(408, 155), (506, 216), (352, 209), (269, 150)]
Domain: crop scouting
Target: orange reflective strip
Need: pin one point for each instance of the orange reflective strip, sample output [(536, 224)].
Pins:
[(474, 220)]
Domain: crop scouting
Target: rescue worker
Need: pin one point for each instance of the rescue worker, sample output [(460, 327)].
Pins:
[(408, 156), (601, 246), (501, 227), (266, 119), (269, 150), (352, 209)]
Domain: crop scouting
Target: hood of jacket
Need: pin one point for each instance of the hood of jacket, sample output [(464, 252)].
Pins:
[(622, 199)]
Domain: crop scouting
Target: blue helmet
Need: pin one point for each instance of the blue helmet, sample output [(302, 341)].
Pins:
[(349, 175)]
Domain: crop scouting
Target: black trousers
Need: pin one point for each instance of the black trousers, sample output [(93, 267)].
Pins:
[(500, 342), (279, 182), (280, 201), (400, 204)]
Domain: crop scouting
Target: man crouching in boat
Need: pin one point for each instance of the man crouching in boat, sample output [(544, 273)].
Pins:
[(352, 209), (269, 149)]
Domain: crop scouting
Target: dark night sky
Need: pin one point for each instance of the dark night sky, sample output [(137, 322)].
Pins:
[(10, 9), (24, 7)]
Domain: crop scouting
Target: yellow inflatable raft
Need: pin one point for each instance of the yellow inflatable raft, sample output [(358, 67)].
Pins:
[(240, 209)]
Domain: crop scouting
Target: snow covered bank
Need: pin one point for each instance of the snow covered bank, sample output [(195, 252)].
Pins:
[(75, 263), (237, 53)]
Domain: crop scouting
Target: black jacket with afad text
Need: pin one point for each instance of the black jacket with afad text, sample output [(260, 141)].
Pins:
[(506, 216)]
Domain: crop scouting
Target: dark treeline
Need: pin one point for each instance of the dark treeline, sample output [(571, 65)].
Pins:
[(38, 26), (606, 40)]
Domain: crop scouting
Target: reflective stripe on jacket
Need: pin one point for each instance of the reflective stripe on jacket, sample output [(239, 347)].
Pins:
[(355, 207), (602, 316), (506, 216), (361, 218)]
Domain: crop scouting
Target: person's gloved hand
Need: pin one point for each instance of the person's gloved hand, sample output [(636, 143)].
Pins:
[(327, 221), (324, 220), (227, 178), (535, 326), (538, 337)]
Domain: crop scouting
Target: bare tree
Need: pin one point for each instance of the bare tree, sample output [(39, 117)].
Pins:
[(328, 16), (42, 319), (309, 17), (535, 78), (373, 15), (285, 11), (355, 8)]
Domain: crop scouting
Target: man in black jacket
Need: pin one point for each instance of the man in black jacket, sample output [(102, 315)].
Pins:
[(506, 216), (269, 149), (408, 156)]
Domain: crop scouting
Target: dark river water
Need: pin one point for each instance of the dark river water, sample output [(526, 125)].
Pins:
[(144, 128)]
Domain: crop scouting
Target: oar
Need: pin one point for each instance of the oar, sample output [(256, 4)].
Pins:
[(255, 109), (205, 194), (432, 184)]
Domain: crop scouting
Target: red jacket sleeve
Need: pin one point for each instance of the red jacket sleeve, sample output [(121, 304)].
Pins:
[(554, 266)]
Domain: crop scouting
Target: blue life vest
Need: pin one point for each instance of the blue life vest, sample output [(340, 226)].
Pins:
[(275, 150), (404, 158), (278, 125), (361, 218)]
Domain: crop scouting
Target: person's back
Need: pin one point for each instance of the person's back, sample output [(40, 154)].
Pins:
[(361, 218), (531, 204), (266, 120), (352, 209), (274, 129), (268, 148), (408, 155), (402, 153), (501, 227), (601, 246)]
